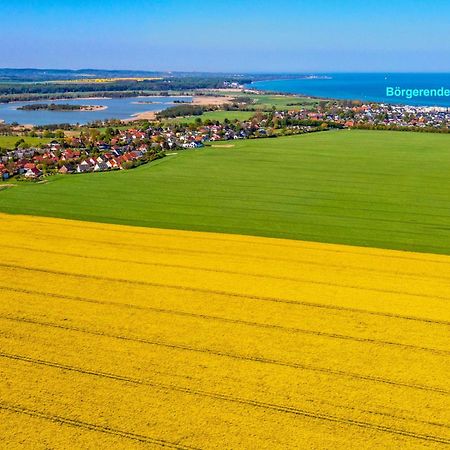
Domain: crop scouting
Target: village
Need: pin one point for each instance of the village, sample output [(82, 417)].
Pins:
[(121, 149), (349, 115)]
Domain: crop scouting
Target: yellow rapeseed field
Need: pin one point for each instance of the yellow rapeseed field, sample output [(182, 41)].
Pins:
[(125, 337), (104, 80)]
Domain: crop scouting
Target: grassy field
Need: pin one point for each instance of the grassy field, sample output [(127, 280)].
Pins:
[(10, 141), (266, 102), (283, 102), (150, 338), (377, 189), (216, 116)]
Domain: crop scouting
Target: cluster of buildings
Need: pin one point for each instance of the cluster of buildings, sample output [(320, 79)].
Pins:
[(405, 116), (125, 149), (386, 115), (32, 163)]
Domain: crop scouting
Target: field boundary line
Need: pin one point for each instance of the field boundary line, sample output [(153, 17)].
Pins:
[(251, 239), (262, 232)]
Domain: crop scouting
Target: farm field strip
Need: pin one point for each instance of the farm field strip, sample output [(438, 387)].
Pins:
[(362, 188), (242, 246), (267, 408), (167, 255), (228, 354), (342, 285), (199, 340), (328, 405), (314, 322), (314, 275)]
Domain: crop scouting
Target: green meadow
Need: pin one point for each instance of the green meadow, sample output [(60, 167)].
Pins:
[(280, 102), (369, 188), (266, 102), (9, 142), (214, 116)]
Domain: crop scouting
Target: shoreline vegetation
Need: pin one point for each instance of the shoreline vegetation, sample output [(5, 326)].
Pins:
[(61, 107), (58, 99), (197, 100), (208, 97), (14, 86)]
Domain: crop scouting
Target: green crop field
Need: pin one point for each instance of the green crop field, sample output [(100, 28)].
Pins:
[(10, 141), (378, 189), (265, 102), (216, 116)]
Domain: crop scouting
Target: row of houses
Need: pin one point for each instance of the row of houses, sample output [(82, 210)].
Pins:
[(30, 163), (375, 114), (121, 150)]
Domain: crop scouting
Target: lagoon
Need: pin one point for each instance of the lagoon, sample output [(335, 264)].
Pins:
[(117, 108)]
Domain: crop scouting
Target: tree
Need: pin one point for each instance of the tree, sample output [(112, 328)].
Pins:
[(19, 143)]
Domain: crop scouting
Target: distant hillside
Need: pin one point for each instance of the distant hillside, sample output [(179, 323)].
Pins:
[(36, 75)]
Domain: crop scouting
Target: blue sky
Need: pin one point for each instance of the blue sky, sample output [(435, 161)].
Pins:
[(232, 35)]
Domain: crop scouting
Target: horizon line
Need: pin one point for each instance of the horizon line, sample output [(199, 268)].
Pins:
[(224, 72)]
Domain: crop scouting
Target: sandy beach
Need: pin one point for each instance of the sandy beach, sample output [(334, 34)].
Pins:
[(206, 100), (146, 115), (202, 100)]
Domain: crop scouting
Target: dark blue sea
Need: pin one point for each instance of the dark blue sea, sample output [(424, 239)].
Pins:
[(365, 87)]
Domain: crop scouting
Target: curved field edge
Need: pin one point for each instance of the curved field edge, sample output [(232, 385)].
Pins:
[(150, 338), (362, 188)]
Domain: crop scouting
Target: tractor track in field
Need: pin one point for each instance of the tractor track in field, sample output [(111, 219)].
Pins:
[(91, 426), (249, 274), (235, 356), (233, 321), (219, 292), (178, 251), (233, 399), (228, 272)]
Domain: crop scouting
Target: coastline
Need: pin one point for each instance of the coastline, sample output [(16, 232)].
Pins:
[(363, 87), (55, 100), (145, 115), (84, 108), (200, 100), (153, 103)]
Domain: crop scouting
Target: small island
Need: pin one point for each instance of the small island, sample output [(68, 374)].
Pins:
[(60, 107), (144, 103)]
